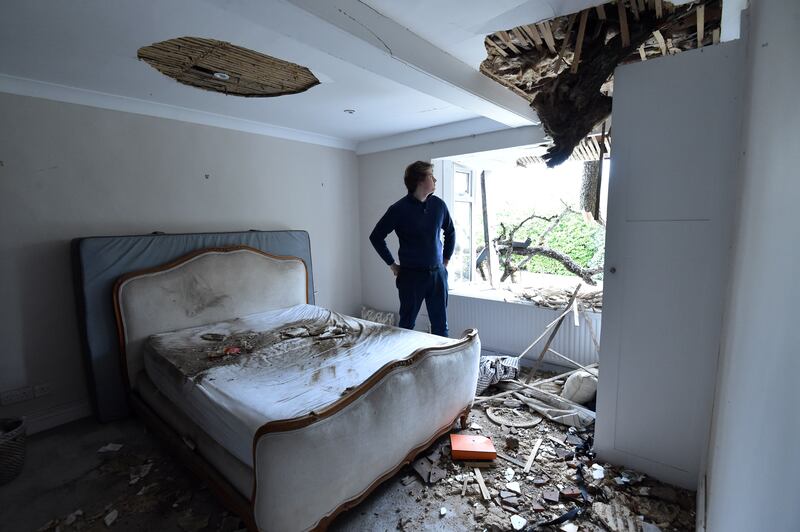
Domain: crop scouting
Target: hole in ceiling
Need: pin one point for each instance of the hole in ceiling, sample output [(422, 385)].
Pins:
[(224, 67)]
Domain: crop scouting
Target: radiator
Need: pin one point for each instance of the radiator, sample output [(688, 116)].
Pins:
[(507, 328)]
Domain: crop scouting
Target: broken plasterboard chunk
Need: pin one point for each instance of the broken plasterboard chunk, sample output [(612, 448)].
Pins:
[(518, 522)]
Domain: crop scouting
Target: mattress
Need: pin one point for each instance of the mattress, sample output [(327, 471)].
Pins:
[(232, 377)]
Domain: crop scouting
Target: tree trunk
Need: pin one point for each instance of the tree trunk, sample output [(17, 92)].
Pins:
[(589, 187)]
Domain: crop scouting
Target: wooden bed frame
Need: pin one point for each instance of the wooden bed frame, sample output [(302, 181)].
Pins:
[(218, 483)]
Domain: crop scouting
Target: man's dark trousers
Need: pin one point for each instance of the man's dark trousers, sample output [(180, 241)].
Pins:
[(430, 284)]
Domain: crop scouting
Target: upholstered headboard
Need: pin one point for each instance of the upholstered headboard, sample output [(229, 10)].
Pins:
[(206, 286), (98, 262)]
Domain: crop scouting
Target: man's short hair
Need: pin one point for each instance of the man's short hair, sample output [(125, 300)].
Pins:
[(416, 173)]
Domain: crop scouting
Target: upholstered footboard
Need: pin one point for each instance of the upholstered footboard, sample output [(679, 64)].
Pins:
[(309, 469)]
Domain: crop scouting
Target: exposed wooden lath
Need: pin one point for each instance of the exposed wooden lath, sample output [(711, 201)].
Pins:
[(223, 67), (587, 150), (564, 66)]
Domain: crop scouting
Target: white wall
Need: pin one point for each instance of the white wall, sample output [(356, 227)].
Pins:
[(381, 184), (753, 464), (69, 171)]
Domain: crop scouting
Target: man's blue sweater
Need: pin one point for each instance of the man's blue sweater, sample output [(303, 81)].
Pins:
[(417, 225)]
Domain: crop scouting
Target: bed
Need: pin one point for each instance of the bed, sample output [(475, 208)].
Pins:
[(291, 412)]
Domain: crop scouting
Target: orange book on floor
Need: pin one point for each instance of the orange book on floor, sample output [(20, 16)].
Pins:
[(471, 447)]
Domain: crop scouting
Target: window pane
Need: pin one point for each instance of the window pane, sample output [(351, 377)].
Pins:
[(461, 183), (461, 263)]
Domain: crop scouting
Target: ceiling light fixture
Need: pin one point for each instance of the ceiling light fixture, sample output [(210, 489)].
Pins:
[(222, 76), (349, 111)]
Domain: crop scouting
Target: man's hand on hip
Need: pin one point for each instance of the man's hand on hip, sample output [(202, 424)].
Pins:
[(395, 269)]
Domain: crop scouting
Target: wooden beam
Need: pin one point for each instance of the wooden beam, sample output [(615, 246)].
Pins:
[(659, 11), (549, 341), (623, 24), (496, 46), (642, 55), (521, 37), (547, 33), (531, 30), (660, 40), (715, 36), (576, 59), (507, 41), (566, 40), (532, 456), (601, 12), (634, 9), (701, 29), (482, 484)]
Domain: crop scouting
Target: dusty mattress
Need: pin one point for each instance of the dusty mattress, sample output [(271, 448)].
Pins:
[(232, 377)]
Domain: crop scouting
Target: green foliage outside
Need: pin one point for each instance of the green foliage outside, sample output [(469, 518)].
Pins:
[(583, 242)]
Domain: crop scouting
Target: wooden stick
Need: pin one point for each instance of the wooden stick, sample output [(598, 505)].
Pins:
[(591, 330), (575, 314), (623, 24), (642, 55), (531, 30), (510, 460), (538, 362), (522, 38), (659, 12), (601, 12), (634, 9), (566, 358), (715, 36), (547, 33), (579, 42), (701, 30), (532, 456), (464, 486), (507, 41), (660, 40), (553, 438), (532, 385), (496, 46), (482, 484)]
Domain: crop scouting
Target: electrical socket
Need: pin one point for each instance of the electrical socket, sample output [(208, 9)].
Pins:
[(16, 396), (41, 389)]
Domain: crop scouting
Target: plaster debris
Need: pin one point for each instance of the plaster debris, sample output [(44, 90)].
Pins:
[(442, 511), (110, 448), (71, 518), (514, 486), (509, 474), (518, 522), (110, 517), (138, 473)]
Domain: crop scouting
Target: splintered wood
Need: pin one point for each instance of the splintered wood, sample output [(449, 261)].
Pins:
[(568, 77)]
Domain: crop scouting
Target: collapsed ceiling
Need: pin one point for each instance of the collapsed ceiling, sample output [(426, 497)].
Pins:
[(564, 66), (223, 67)]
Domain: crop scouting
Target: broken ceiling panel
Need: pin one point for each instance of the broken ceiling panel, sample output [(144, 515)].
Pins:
[(564, 66), (223, 67), (588, 149)]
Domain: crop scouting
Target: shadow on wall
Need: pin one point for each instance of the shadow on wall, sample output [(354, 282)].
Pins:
[(51, 348)]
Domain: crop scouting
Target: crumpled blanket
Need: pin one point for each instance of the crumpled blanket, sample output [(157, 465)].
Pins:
[(494, 369)]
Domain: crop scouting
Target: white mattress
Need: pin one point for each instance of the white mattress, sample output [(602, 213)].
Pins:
[(293, 361)]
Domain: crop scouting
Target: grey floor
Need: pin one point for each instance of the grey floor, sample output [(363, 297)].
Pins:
[(63, 473), (67, 485)]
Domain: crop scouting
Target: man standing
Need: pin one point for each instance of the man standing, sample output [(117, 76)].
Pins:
[(422, 272)]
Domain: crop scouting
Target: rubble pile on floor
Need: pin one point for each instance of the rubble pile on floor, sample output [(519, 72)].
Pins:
[(545, 477)]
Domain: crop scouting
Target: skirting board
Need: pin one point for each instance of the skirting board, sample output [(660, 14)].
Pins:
[(59, 415)]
